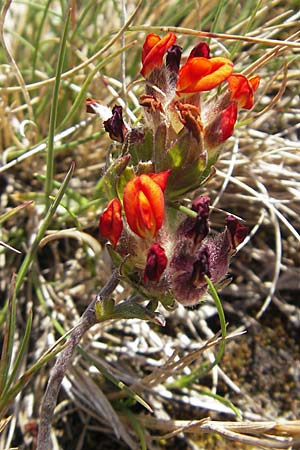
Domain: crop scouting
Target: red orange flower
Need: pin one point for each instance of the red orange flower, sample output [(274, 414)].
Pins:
[(111, 225), (144, 203), (242, 89), (153, 51), (221, 128), (202, 74)]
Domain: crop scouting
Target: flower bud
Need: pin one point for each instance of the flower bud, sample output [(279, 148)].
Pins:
[(201, 49), (115, 125), (222, 126), (236, 232), (111, 225), (197, 254), (153, 51), (173, 63), (196, 228), (156, 263)]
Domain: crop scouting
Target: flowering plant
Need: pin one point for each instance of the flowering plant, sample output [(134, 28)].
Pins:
[(166, 158), (155, 220)]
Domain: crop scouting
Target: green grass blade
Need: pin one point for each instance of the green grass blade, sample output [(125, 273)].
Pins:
[(81, 95), (8, 398), (133, 395), (38, 38), (205, 368), (222, 400), (20, 354), (252, 13), (216, 298), (138, 428), (14, 211), (42, 229), (220, 8), (8, 336), (53, 113)]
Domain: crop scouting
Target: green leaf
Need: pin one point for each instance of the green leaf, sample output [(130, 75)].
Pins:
[(106, 188), (142, 151)]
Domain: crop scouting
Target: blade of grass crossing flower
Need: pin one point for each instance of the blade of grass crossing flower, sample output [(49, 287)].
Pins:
[(216, 298), (53, 113), (187, 380)]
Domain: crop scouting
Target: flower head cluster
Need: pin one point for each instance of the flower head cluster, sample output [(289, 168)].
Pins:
[(197, 254), (169, 157), (183, 85), (144, 210)]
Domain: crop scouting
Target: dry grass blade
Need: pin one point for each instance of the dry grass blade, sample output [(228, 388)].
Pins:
[(11, 59), (91, 395), (4, 423), (271, 434)]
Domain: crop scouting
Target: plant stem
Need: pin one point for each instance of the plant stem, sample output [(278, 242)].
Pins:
[(87, 320)]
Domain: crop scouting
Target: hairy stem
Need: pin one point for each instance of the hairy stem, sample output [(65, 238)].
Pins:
[(87, 320)]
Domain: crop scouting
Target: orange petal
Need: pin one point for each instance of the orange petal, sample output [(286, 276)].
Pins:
[(153, 51), (242, 89), (202, 74), (155, 195), (111, 225), (144, 217), (254, 81), (160, 178), (144, 206), (150, 42)]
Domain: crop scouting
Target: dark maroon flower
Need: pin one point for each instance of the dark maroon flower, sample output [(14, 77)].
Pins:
[(197, 254), (173, 62), (156, 263), (202, 50), (236, 232), (201, 268), (197, 228), (115, 125)]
